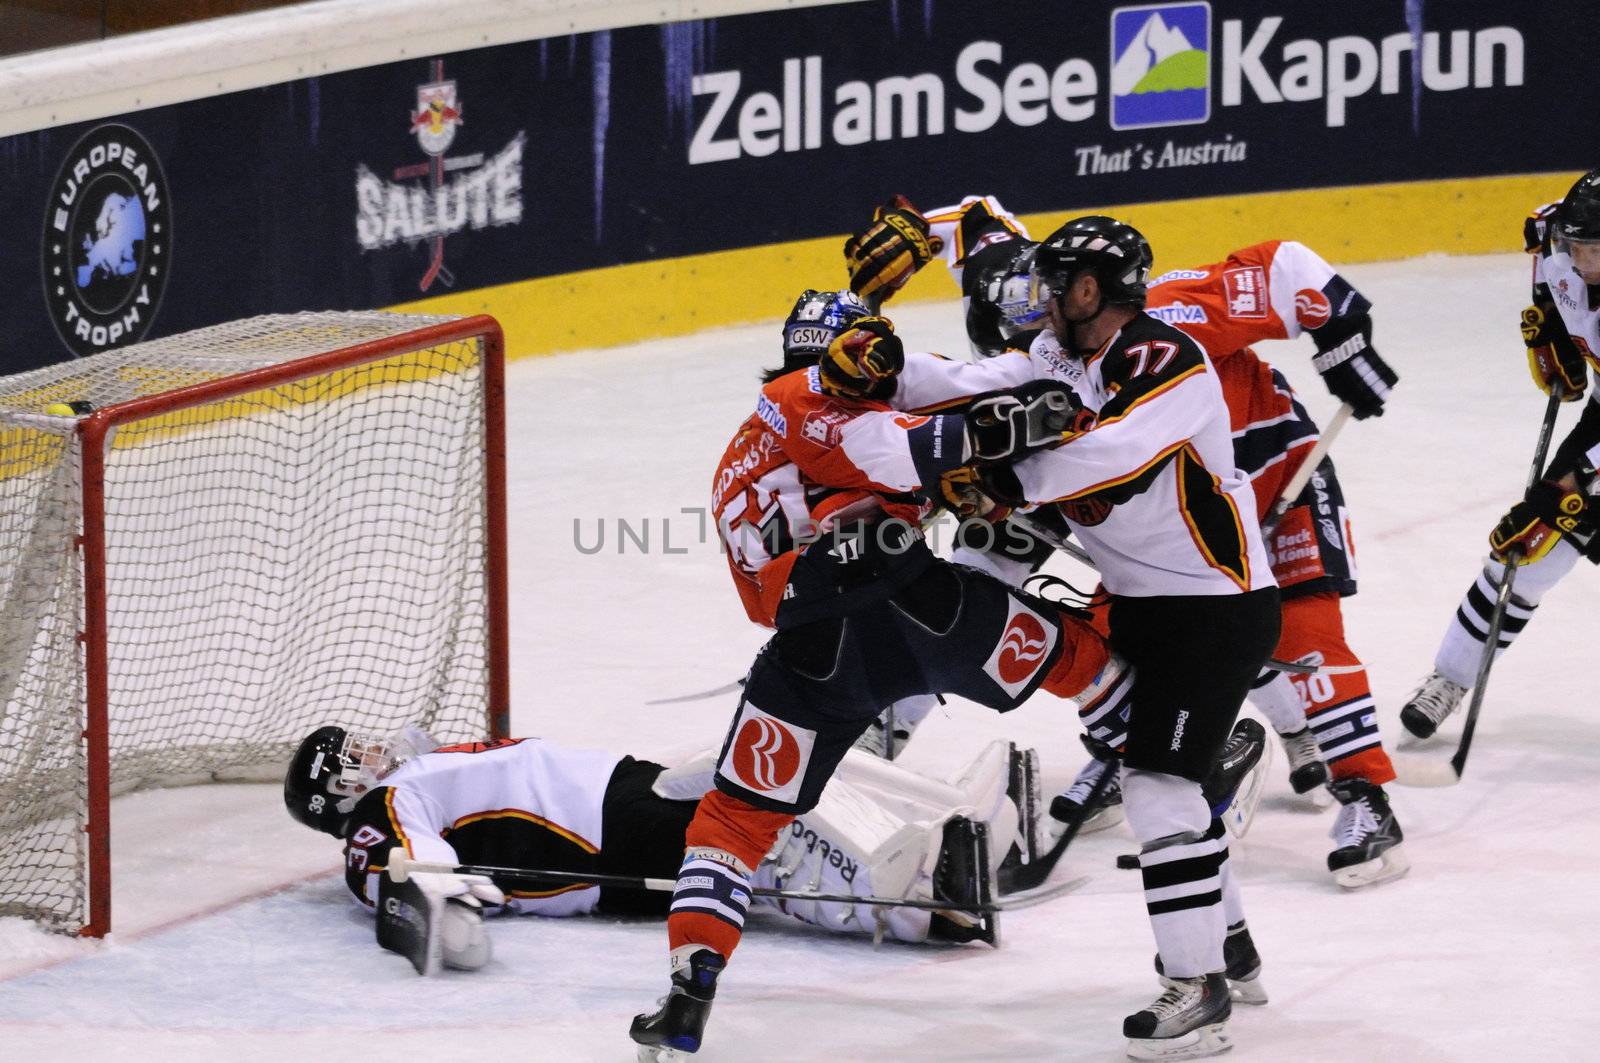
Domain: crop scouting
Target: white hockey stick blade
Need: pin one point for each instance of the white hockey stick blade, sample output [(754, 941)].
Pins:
[(1011, 902), (1415, 770)]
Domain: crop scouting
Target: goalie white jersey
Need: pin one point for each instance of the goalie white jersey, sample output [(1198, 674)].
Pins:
[(517, 803)]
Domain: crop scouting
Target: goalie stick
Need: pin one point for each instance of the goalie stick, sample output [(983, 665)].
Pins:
[(401, 867), (1430, 773), (1024, 878)]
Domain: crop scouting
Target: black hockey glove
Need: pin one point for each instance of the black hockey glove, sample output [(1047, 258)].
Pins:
[(1553, 359), (885, 255), (862, 361), (1533, 526), (1352, 369), (1013, 424)]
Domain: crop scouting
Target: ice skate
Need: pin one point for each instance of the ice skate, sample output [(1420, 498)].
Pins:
[(1430, 703), (1366, 835), (1306, 768), (674, 1031), (1067, 806), (1243, 967), (1235, 783), (1188, 1020)]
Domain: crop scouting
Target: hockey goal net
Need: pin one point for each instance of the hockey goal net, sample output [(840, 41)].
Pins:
[(258, 528)]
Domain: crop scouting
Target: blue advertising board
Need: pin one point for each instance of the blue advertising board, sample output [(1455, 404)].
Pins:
[(452, 173)]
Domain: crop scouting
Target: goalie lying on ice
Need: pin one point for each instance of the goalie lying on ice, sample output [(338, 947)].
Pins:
[(530, 803)]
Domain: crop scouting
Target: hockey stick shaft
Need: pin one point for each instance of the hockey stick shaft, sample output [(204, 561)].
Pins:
[(1073, 550), (401, 867), (1302, 474), (1491, 642)]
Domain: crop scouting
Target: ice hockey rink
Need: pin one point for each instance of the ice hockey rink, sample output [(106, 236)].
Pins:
[(236, 939)]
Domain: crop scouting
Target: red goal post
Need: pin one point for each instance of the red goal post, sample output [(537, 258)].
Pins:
[(254, 529)]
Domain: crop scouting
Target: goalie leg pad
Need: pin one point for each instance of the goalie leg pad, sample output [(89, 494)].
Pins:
[(852, 844)]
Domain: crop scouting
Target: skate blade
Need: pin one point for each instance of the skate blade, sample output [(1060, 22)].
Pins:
[(1196, 1044), (1247, 991), (660, 1054), (1390, 864)]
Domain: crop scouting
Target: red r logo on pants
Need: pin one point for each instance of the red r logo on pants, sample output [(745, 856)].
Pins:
[(1022, 647), (765, 755)]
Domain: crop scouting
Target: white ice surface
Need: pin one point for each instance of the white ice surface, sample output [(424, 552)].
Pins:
[(1484, 952)]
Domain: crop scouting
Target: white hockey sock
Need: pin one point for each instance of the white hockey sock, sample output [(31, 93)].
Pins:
[(1462, 646), (1182, 851), (1279, 701)]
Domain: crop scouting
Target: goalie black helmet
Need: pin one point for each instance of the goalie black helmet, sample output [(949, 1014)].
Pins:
[(311, 788), (817, 319), (1115, 252)]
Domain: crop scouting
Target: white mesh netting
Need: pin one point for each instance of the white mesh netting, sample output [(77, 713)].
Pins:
[(310, 553)]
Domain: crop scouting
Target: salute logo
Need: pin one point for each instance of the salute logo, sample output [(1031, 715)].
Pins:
[(1160, 65), (767, 755)]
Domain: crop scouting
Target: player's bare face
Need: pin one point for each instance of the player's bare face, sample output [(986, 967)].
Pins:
[(1078, 303), (1585, 259)]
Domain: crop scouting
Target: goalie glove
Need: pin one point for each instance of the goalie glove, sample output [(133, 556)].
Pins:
[(435, 919), (1351, 368), (885, 255), (1013, 424), (1554, 360), (1532, 527), (862, 361)]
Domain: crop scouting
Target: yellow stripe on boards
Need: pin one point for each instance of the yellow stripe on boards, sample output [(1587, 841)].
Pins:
[(673, 297)]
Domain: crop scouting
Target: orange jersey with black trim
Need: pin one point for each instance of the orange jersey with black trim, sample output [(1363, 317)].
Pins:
[(802, 463), (1274, 290), (513, 803)]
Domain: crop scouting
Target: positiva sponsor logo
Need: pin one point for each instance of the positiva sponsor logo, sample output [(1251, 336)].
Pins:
[(1158, 71)]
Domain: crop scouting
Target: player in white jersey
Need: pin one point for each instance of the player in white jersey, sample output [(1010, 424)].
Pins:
[(1149, 484), (1554, 524), (879, 829), (1270, 290)]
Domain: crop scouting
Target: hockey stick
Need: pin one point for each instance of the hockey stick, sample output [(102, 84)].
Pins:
[(1427, 773), (1302, 475), (1030, 876), (1078, 553), (714, 692), (401, 867)]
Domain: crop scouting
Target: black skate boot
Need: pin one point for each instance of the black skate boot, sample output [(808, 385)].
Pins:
[(1067, 806), (675, 1029), (1187, 1021), (1366, 836), (1243, 967), (1306, 768), (1430, 703), (1237, 777)]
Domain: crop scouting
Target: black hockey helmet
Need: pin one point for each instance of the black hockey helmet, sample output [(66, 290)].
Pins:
[(815, 322), (317, 789), (1578, 216), (1115, 252)]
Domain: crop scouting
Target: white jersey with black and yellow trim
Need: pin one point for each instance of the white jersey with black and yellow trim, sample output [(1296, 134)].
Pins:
[(1152, 489), (513, 803)]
